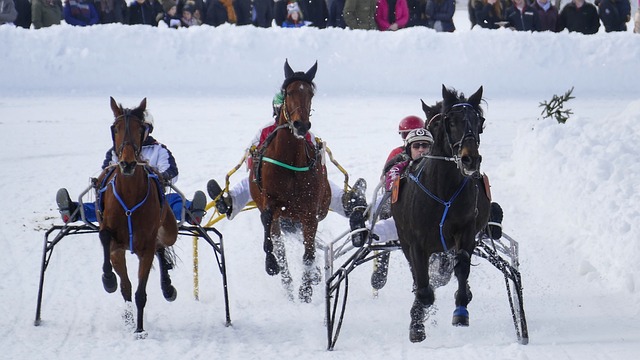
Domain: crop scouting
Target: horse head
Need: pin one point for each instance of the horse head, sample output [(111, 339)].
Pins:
[(128, 132), (298, 90), (457, 128)]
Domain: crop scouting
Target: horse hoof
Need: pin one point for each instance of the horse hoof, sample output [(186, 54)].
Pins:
[(305, 293), (417, 333), (109, 282), (140, 335), (460, 316), (170, 293), (271, 265)]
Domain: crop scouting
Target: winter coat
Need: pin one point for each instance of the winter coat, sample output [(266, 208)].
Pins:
[(486, 15), (584, 20), (45, 13), (142, 14), (360, 14), (315, 11), (80, 13), (441, 11), (158, 156), (382, 14), (8, 12), (525, 20), (614, 14), (24, 14), (243, 11), (547, 20), (217, 13), (112, 11), (263, 10), (336, 17)]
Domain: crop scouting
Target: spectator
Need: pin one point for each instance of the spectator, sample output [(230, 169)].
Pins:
[(80, 13), (8, 12), (336, 17), (218, 13), (636, 20), (360, 14), (112, 11), (199, 11), (614, 14), (23, 7), (263, 10), (440, 15), (417, 13), (170, 17), (579, 16), (521, 17), (392, 15), (294, 17), (489, 13), (238, 11), (45, 13), (547, 15), (157, 9), (188, 18), (141, 12), (315, 12)]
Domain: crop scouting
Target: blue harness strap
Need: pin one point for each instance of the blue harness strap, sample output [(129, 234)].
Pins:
[(447, 204), (128, 212)]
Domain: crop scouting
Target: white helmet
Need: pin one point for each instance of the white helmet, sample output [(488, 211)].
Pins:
[(418, 135), (148, 121)]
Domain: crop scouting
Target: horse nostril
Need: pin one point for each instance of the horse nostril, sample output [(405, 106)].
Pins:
[(467, 160)]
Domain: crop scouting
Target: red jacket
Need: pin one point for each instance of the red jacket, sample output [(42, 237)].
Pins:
[(382, 14)]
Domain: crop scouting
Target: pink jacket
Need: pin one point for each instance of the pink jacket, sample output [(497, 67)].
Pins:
[(402, 14)]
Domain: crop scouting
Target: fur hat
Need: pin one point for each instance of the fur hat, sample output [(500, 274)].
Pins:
[(167, 5), (293, 7)]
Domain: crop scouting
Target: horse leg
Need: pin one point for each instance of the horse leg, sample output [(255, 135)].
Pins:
[(168, 291), (141, 292), (120, 266), (109, 280), (424, 295), (311, 275), (285, 275), (463, 294), (271, 264)]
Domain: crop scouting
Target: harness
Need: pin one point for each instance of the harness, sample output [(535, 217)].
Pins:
[(128, 212), (258, 153), (447, 204)]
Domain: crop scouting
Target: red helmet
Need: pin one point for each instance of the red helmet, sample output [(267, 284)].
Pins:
[(409, 123)]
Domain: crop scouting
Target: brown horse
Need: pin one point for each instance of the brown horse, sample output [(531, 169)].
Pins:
[(135, 215), (289, 183)]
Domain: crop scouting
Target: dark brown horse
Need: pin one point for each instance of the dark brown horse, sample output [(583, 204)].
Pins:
[(290, 184), (443, 205), (135, 215)]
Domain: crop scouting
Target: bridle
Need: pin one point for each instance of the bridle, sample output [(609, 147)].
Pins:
[(471, 132), (287, 113), (126, 116)]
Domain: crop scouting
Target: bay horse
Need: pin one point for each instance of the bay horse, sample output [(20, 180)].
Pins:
[(289, 182), (443, 205), (135, 215)]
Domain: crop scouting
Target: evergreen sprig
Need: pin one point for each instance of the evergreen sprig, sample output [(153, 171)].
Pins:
[(555, 107)]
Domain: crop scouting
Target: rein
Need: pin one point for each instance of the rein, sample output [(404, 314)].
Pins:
[(447, 204)]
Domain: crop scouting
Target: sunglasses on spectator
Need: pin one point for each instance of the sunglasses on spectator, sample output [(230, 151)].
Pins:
[(421, 145)]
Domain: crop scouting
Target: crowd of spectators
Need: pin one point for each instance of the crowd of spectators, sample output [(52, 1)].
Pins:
[(384, 15)]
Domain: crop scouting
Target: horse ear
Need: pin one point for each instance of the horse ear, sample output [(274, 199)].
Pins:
[(288, 71), (448, 97), (312, 72), (476, 98), (143, 104), (428, 110), (115, 108)]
